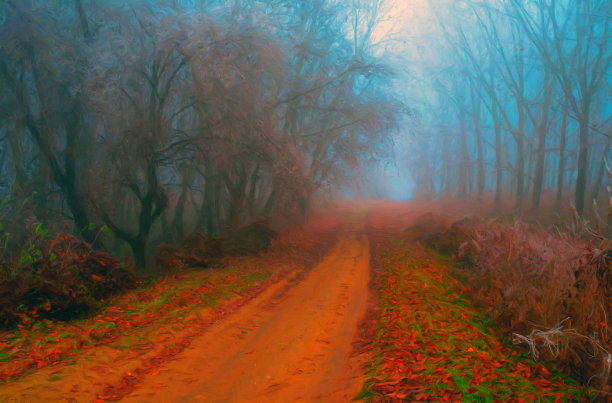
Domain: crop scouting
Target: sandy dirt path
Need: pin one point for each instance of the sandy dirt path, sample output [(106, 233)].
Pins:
[(287, 345)]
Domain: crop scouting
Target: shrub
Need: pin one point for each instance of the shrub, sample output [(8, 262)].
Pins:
[(552, 291), (198, 250), (460, 232), (59, 278), (251, 239), (427, 228)]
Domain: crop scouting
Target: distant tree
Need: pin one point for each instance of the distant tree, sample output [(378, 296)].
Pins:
[(154, 119), (573, 38), (43, 66)]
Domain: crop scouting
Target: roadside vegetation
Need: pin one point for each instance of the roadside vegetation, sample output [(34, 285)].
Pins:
[(550, 292), (546, 292), (431, 343)]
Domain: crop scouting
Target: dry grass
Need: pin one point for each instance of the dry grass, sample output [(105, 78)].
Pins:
[(552, 291), (546, 284)]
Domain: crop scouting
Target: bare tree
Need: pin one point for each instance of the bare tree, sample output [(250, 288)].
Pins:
[(573, 38), (43, 68)]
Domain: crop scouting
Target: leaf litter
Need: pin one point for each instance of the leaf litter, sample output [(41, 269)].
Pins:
[(432, 344)]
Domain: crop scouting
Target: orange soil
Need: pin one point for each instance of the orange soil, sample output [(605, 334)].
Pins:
[(287, 345)]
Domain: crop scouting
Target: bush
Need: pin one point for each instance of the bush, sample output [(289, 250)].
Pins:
[(198, 250), (460, 233), (64, 279), (251, 239), (427, 228), (434, 231), (551, 292), (202, 246), (195, 252)]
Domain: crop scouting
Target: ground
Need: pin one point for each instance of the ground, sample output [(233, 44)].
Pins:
[(292, 343), (375, 318)]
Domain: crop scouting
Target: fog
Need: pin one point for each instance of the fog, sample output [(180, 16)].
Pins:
[(512, 100), (132, 123)]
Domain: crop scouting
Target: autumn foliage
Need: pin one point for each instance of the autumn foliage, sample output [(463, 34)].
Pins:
[(552, 292), (63, 278), (160, 119), (431, 344)]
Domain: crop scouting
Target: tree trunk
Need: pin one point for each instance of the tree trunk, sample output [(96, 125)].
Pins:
[(600, 174), (519, 136), (538, 180), (165, 227), (66, 182), (463, 168), (83, 20), (480, 175), (542, 130), (445, 179), (498, 163), (583, 155), (252, 185), (481, 170), (205, 217), (530, 154), (520, 170), (238, 196), (179, 211), (561, 171), (139, 249), (271, 201)]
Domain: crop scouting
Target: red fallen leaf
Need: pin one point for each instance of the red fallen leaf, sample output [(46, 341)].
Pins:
[(392, 383), (398, 395)]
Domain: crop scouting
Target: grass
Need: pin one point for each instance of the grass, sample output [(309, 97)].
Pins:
[(432, 344)]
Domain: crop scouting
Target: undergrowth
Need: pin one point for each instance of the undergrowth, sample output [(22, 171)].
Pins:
[(431, 344), (58, 278), (552, 292)]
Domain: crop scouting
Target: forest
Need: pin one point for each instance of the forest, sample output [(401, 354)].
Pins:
[(133, 124), (291, 200), (523, 92)]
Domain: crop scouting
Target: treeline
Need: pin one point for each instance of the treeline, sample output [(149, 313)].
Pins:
[(131, 123), (519, 102)]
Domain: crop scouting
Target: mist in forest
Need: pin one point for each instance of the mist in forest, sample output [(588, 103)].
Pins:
[(513, 101), (134, 123)]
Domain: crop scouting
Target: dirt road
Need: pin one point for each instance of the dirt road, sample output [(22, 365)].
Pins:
[(290, 344)]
